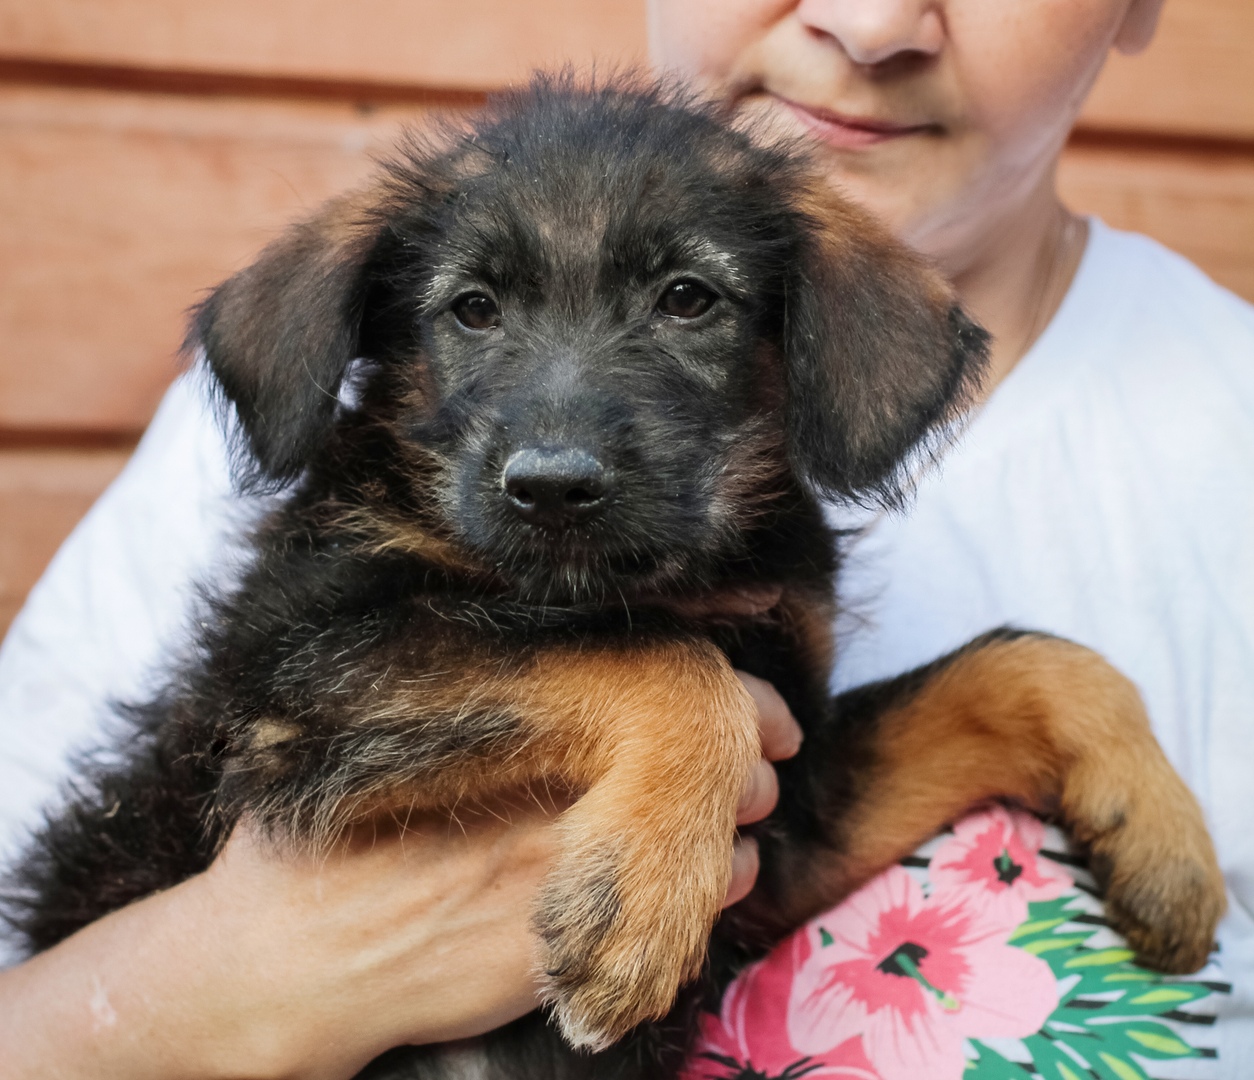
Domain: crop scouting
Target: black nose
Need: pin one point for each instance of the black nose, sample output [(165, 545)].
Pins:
[(554, 487)]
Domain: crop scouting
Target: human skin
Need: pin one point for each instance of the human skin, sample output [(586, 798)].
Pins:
[(276, 966), (272, 964), (944, 117)]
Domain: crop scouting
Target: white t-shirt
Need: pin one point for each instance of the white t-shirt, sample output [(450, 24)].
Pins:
[(1104, 493)]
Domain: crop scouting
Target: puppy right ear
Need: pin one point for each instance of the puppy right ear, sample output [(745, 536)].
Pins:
[(881, 359), (279, 335)]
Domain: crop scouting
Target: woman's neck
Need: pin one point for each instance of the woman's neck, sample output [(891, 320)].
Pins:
[(1015, 280)]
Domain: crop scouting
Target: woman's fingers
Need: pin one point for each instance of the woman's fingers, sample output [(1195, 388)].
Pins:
[(781, 737), (744, 870), (760, 795)]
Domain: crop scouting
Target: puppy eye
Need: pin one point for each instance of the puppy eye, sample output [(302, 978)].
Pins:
[(686, 300), (477, 312)]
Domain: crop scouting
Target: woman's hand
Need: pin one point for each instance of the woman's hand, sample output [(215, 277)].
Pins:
[(286, 965), (275, 964), (781, 738)]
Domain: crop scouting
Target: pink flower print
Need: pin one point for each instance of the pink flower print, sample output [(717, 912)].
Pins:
[(914, 978), (992, 860), (748, 1040)]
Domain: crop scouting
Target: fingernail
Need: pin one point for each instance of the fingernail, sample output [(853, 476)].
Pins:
[(744, 870), (750, 794)]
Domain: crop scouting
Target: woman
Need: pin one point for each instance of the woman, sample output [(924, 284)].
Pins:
[(1098, 494)]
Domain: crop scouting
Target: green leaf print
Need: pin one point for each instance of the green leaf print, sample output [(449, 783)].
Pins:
[(1116, 1068), (1153, 1043), (1052, 1062), (990, 1065), (1106, 1024)]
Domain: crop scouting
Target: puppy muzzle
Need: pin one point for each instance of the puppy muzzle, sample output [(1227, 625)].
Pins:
[(554, 487)]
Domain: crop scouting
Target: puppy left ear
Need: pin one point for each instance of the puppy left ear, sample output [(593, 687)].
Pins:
[(880, 357), (279, 335)]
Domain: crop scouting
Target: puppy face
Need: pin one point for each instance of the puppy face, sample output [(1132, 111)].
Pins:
[(606, 334), (593, 355)]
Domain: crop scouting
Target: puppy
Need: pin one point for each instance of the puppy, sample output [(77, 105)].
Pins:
[(541, 388)]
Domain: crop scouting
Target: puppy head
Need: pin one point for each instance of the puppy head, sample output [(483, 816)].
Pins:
[(604, 333)]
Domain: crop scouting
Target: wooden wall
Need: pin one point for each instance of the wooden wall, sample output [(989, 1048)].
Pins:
[(148, 147)]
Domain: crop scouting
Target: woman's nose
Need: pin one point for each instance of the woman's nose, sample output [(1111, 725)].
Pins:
[(872, 31)]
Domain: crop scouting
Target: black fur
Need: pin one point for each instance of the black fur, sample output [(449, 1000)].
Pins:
[(821, 367)]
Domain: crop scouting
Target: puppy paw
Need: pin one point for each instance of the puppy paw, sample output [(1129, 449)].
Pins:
[(622, 936), (1164, 889)]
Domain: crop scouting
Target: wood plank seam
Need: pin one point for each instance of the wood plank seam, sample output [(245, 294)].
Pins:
[(1154, 142), (73, 75), (77, 76), (13, 438)]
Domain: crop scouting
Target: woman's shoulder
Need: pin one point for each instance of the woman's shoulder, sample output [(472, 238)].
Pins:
[(115, 599), (1140, 303), (1168, 354), (1145, 350)]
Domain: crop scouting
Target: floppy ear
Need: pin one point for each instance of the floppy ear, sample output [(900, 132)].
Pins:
[(880, 358), (279, 335)]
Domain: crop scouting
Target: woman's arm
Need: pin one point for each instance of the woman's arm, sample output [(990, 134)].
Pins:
[(271, 965), (283, 965)]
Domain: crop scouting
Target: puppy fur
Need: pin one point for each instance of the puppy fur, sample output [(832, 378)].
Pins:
[(542, 386)]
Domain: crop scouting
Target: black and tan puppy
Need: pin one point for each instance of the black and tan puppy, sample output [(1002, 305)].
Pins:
[(545, 385)]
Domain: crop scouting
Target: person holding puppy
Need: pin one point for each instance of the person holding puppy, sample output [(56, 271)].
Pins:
[(1098, 493)]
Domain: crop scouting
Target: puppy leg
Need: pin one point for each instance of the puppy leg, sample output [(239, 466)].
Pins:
[(1036, 719), (657, 736), (646, 859)]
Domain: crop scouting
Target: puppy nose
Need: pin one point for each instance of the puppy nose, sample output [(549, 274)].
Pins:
[(554, 487)]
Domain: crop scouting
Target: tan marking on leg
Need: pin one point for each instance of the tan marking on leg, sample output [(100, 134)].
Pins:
[(666, 737), (1052, 725), (660, 739)]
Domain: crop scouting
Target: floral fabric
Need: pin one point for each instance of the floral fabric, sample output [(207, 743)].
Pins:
[(985, 957)]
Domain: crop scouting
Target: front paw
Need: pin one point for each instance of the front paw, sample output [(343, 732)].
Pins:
[(1163, 885), (622, 935)]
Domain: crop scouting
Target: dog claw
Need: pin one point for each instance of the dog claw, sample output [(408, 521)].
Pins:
[(619, 945), (1164, 889), (1169, 913)]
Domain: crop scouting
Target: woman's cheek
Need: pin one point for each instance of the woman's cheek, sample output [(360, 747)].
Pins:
[(705, 39)]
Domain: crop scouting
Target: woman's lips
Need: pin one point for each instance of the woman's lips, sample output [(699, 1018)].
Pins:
[(850, 132)]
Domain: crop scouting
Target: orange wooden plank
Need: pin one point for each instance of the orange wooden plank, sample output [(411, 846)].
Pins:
[(42, 496), (1200, 204), (1194, 78), (445, 43), (120, 210), (1197, 77)]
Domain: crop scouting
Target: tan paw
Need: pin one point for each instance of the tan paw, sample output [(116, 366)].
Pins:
[(623, 935), (1164, 889)]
